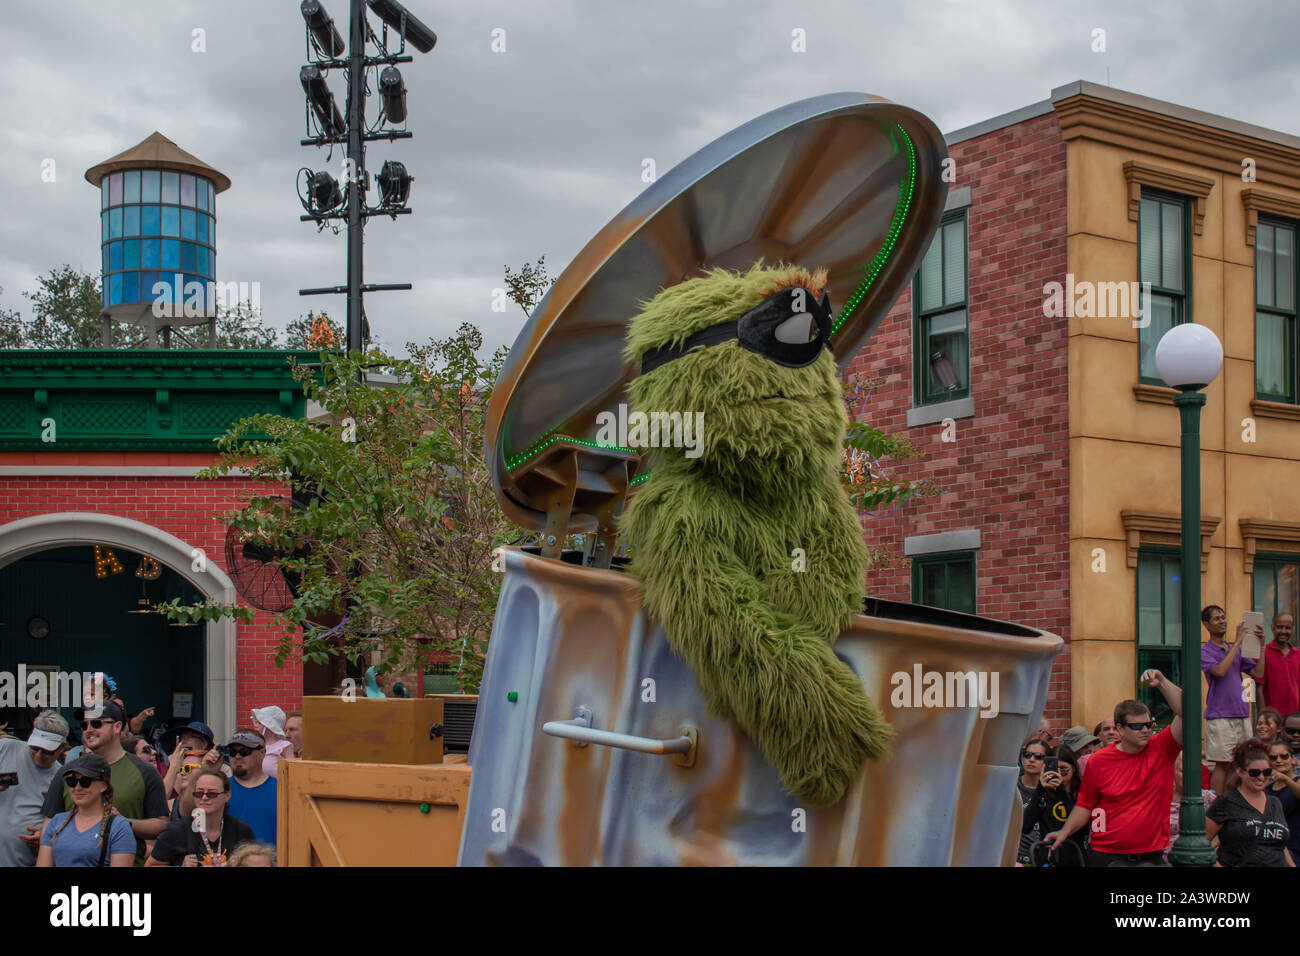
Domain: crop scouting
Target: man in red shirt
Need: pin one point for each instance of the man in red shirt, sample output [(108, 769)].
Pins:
[(1281, 680), (1128, 788)]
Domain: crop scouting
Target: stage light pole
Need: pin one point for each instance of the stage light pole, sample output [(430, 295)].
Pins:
[(1188, 357), (320, 207)]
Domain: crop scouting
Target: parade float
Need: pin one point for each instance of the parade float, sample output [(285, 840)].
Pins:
[(595, 741)]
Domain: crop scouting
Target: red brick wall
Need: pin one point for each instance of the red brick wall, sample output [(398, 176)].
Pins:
[(182, 507), (1007, 473)]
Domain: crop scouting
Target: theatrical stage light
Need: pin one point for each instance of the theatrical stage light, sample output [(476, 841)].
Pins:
[(394, 184), (393, 92), (391, 12), (322, 28), (323, 192), (322, 101)]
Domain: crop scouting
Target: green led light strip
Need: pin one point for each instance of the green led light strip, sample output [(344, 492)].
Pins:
[(638, 479), (905, 190), (544, 443)]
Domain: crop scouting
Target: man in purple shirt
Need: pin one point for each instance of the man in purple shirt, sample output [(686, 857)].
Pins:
[(1227, 706)]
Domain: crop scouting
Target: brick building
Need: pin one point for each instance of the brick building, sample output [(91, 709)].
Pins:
[(98, 456), (1036, 407), (1003, 512)]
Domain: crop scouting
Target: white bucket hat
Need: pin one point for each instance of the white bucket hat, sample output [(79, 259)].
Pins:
[(272, 718)]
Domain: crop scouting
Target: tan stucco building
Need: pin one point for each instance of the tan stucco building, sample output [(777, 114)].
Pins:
[(1055, 444), (1228, 199)]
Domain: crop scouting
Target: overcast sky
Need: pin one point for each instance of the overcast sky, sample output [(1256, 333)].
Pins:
[(530, 151)]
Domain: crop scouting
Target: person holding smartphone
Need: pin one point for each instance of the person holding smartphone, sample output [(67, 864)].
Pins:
[(181, 804), (1249, 821), (1055, 797), (27, 771), (1227, 712)]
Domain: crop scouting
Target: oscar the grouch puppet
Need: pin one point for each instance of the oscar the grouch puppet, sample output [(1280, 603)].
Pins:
[(714, 537)]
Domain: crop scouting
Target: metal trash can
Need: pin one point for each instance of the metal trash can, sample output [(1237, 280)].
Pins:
[(568, 637)]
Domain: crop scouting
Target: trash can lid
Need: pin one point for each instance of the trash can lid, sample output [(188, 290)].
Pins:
[(848, 182)]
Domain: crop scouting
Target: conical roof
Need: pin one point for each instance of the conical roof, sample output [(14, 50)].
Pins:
[(157, 152)]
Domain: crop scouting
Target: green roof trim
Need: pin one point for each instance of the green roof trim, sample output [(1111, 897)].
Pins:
[(156, 400)]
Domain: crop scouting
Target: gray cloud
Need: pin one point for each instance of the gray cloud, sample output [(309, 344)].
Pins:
[(531, 151)]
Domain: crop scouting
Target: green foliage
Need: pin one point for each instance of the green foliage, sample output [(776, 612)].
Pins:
[(528, 284), (867, 449), (396, 541), (65, 313), (11, 328), (239, 328)]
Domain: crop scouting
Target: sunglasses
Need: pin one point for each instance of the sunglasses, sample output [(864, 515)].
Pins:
[(96, 723), (775, 328), (190, 767), (1292, 730), (1141, 726), (75, 780), (207, 794), (1026, 755), (1256, 772), (1279, 756), (238, 751)]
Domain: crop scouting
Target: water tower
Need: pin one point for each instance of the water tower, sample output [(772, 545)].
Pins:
[(158, 229)]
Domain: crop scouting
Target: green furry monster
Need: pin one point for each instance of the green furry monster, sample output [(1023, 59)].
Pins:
[(714, 536)]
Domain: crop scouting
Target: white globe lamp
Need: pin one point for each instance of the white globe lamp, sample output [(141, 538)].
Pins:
[(1189, 356)]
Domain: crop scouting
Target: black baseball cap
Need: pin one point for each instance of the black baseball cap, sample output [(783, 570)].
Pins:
[(90, 765)]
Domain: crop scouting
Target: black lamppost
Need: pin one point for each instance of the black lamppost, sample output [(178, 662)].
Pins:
[(324, 200), (1188, 357)]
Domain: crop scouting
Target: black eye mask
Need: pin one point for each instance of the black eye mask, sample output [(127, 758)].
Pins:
[(775, 328)]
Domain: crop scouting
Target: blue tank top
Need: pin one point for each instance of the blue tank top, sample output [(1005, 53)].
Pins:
[(256, 806)]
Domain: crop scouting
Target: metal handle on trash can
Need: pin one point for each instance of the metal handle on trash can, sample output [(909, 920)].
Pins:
[(580, 731)]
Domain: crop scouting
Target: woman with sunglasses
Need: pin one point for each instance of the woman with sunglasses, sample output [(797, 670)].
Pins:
[(183, 803), (133, 744), (1032, 755), (91, 834), (1249, 821), (1057, 793), (210, 836)]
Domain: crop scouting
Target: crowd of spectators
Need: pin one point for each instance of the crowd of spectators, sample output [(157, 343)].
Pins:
[(1109, 797), (1112, 797), (123, 796)]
